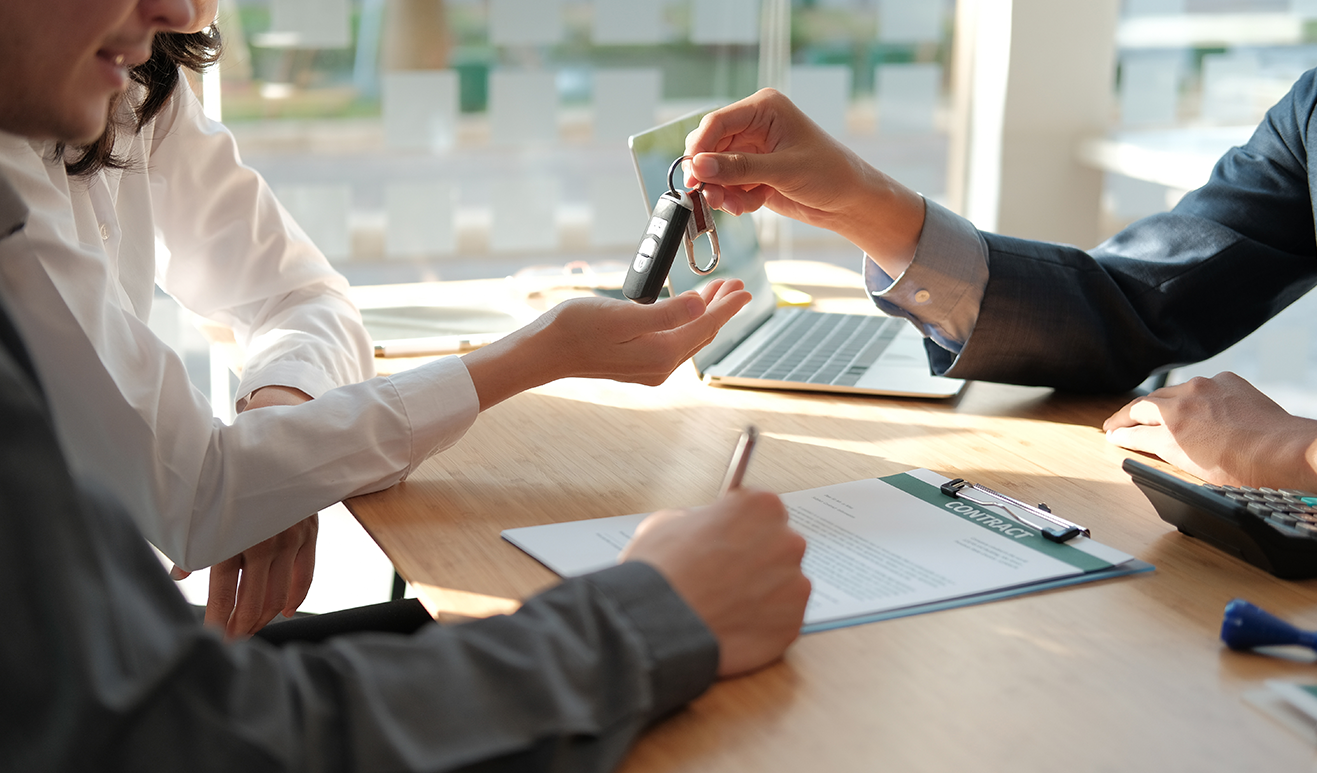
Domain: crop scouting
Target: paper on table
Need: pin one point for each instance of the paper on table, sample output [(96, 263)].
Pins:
[(875, 545)]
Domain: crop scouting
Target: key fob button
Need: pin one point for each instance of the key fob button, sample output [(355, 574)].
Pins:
[(642, 263)]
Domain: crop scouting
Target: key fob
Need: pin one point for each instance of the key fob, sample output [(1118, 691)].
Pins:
[(667, 228)]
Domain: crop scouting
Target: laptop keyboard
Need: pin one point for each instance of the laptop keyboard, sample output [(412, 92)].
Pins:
[(819, 348)]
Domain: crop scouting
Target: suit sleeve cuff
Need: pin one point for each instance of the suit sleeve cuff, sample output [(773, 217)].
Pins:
[(683, 652), (943, 287)]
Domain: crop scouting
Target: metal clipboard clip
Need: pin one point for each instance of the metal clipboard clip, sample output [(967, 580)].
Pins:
[(1062, 530)]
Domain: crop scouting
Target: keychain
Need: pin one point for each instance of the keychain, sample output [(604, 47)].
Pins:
[(677, 217)]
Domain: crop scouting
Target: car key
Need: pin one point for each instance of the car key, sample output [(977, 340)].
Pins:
[(677, 217), (701, 223), (668, 227)]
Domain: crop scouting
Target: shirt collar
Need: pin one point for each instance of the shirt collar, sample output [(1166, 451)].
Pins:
[(13, 212)]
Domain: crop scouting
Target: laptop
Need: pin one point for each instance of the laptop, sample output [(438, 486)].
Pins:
[(771, 347)]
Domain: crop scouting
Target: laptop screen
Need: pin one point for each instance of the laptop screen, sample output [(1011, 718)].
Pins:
[(653, 152)]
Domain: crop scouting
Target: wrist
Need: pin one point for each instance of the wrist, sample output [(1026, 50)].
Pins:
[(886, 222), (522, 360), (1304, 456)]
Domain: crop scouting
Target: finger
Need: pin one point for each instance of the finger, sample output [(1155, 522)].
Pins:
[(177, 574), (1150, 439), (250, 600), (278, 588), (304, 567), (718, 129), (665, 315), (700, 333), (710, 291), (222, 592), (1144, 410)]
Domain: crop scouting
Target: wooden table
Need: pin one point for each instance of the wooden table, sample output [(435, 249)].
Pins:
[(1126, 674)]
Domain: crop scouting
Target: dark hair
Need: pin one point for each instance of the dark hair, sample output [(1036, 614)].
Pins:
[(158, 76)]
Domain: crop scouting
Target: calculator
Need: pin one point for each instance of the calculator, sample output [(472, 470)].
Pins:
[(1273, 529)]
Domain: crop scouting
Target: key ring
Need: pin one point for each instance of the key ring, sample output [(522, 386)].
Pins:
[(702, 220)]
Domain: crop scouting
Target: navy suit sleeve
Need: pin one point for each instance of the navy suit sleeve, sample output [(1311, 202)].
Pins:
[(1172, 289)]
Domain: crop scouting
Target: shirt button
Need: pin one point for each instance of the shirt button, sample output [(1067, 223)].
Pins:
[(922, 296), (105, 232)]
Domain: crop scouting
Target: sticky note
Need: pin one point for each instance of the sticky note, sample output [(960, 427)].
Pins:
[(617, 211), (323, 212), (523, 107), (420, 109), (907, 97), (524, 214), (823, 92), (627, 22), (725, 21), (420, 219), (525, 22), (910, 21), (311, 23), (625, 102)]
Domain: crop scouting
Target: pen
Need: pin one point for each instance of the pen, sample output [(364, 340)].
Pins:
[(434, 345), (740, 460)]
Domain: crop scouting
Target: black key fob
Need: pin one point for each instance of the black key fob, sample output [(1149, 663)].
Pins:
[(667, 228)]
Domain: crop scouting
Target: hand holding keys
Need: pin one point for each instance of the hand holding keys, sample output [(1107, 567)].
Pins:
[(678, 217)]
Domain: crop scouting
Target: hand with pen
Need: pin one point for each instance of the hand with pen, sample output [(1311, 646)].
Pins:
[(736, 562)]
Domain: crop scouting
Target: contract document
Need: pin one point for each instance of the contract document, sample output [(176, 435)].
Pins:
[(878, 548)]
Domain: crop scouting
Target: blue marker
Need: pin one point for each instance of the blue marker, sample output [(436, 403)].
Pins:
[(1246, 626)]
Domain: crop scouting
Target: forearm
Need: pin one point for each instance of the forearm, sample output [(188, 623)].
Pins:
[(567, 683)]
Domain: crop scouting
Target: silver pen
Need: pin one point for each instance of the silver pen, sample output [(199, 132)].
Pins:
[(740, 460)]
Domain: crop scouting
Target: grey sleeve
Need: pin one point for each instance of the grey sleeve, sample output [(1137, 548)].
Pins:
[(105, 668)]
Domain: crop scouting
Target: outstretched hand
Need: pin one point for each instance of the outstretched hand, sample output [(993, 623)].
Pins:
[(763, 151), (1222, 430), (604, 338)]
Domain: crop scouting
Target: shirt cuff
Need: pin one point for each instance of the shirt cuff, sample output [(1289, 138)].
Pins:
[(683, 652), (940, 292), (440, 403)]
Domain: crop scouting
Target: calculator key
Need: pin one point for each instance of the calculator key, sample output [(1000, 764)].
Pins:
[(1259, 508), (1309, 529), (1238, 497), (1285, 518), (1294, 492), (1266, 490)]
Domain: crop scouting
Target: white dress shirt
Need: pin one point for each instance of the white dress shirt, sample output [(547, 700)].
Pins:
[(187, 214)]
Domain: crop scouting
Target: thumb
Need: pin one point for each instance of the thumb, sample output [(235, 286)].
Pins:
[(733, 168)]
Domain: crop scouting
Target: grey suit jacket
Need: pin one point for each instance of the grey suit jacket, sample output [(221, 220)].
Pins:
[(104, 667), (1171, 289)]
